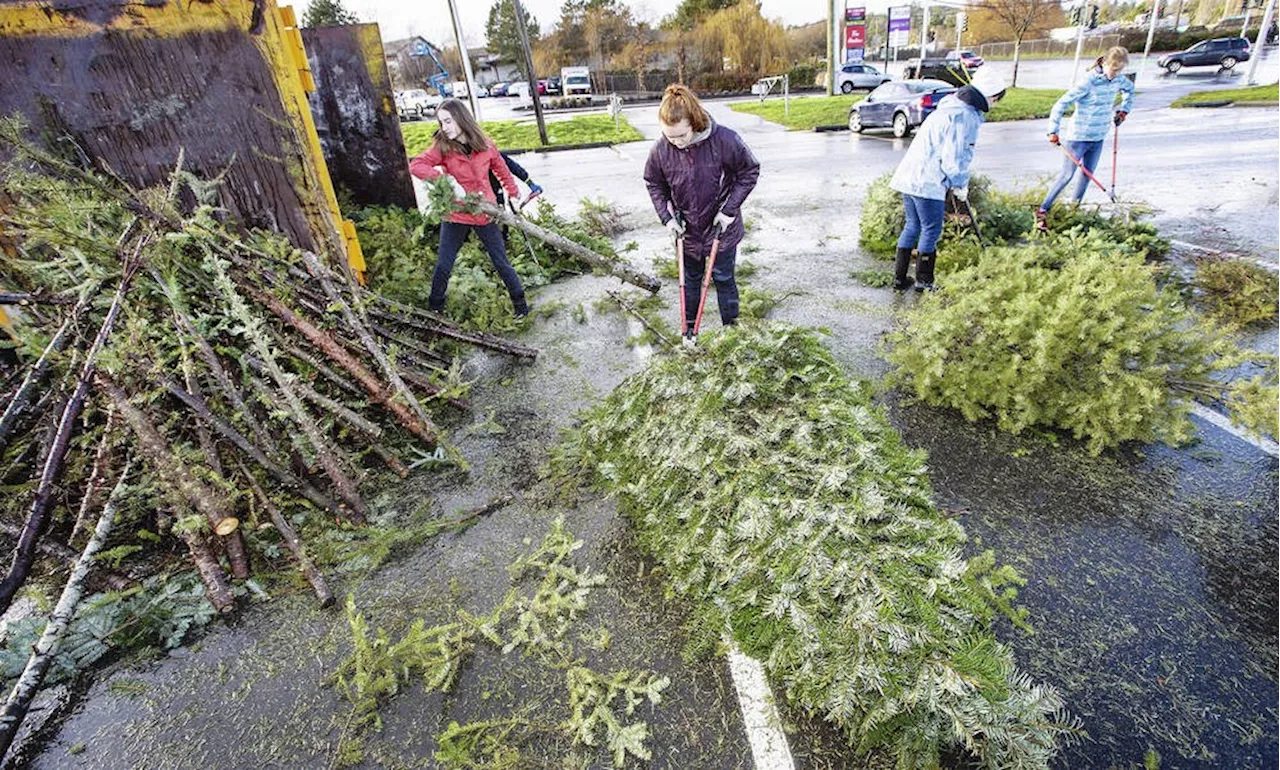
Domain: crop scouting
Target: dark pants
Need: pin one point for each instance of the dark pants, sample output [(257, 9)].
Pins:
[(726, 286), (452, 236)]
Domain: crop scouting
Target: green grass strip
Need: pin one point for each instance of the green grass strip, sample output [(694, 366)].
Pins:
[(523, 134), (809, 112), (1269, 93)]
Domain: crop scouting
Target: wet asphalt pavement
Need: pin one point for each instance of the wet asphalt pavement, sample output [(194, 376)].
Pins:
[(1152, 575)]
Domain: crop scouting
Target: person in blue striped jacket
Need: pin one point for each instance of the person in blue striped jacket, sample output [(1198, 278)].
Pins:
[(1096, 110)]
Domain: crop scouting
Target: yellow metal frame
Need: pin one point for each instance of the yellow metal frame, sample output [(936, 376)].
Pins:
[(281, 47)]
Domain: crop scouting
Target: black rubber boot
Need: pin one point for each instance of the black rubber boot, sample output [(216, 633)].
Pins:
[(924, 272), (521, 306), (901, 281)]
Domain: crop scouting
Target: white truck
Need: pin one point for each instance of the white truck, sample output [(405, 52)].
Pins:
[(575, 81)]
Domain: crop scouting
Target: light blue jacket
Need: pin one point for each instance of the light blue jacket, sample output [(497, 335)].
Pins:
[(1095, 100), (939, 156)]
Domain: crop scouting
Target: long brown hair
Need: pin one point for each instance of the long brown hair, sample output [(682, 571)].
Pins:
[(469, 132), (679, 103)]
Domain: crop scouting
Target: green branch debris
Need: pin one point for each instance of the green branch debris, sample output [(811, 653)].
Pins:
[(783, 502)]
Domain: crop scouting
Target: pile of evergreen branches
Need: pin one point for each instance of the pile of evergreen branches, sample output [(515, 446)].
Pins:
[(779, 498), (1074, 333)]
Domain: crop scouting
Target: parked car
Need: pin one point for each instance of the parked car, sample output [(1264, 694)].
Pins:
[(498, 89), (899, 104), (416, 104), (482, 92), (542, 87), (949, 70), (554, 85), (855, 76), (1222, 52), (969, 59)]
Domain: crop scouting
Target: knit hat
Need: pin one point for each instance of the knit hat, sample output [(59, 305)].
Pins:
[(989, 82)]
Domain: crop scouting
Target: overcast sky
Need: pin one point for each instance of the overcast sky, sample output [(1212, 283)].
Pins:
[(430, 18)]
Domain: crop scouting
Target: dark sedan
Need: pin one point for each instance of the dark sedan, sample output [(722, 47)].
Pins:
[(900, 105)]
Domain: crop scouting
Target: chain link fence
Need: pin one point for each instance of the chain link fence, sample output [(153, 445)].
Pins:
[(1094, 45)]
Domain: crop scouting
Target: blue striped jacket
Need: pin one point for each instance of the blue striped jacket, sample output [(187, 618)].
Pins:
[(1095, 100)]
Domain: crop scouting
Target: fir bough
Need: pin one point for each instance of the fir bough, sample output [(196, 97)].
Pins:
[(1071, 334), (775, 494)]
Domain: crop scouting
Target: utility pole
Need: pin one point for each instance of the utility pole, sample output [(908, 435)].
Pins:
[(833, 41), (528, 68), (1260, 41), (1151, 35), (961, 17), (924, 38), (1244, 28), (466, 60), (1075, 68)]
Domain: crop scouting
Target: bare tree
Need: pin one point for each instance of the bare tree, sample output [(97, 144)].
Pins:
[(1021, 17)]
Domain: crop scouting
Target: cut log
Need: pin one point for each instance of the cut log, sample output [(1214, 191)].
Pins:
[(182, 487), (611, 266)]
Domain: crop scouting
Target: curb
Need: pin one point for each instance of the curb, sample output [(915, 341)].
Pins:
[(1226, 103), (563, 147)]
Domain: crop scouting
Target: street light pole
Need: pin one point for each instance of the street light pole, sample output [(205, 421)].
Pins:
[(1075, 68), (1258, 43), (466, 60), (1151, 35), (528, 68)]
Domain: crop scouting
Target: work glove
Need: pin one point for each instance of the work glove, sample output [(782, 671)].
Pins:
[(1120, 116), (459, 191), (677, 229), (961, 193), (1053, 138), (722, 221)]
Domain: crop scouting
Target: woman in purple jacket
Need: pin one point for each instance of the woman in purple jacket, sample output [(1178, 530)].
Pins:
[(703, 172)]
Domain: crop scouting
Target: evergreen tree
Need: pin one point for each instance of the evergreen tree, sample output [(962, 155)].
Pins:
[(328, 13), (503, 36)]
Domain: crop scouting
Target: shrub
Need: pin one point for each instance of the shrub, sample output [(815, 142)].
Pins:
[(1001, 216), (779, 498)]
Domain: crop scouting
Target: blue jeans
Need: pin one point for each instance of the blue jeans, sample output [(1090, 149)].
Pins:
[(924, 224), (452, 236), (1088, 154), (722, 273)]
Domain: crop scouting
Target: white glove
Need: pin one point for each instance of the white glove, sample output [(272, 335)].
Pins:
[(961, 193), (723, 221), (459, 191), (677, 230)]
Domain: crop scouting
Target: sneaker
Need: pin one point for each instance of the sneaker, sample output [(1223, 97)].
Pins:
[(921, 286), (1042, 221), (521, 307), (902, 284), (690, 340)]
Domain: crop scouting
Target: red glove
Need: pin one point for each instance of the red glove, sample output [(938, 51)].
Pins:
[(1053, 138), (1120, 116)]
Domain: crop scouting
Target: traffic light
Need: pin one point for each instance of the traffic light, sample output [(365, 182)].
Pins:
[(1093, 17), (964, 21)]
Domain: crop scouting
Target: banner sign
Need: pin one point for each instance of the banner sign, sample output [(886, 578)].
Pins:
[(899, 26), (855, 33)]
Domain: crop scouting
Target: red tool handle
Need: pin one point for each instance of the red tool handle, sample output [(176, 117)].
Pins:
[(1115, 156), (1086, 171), (706, 281)]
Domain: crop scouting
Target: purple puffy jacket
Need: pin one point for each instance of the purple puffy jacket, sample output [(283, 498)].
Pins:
[(716, 174)]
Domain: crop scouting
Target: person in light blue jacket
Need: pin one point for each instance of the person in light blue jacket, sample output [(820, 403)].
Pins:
[(1096, 111), (938, 160)]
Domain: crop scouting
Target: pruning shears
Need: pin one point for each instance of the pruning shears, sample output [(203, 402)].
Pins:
[(692, 338)]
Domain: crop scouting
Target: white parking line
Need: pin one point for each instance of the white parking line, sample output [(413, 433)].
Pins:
[(1221, 421), (769, 746), (1221, 252)]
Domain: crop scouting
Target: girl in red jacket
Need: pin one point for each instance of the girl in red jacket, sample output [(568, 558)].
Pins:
[(465, 156)]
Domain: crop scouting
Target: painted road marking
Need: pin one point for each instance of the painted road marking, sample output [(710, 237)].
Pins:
[(1221, 252), (1221, 421), (769, 746)]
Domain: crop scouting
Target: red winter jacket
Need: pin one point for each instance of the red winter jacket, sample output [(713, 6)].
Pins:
[(471, 171)]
